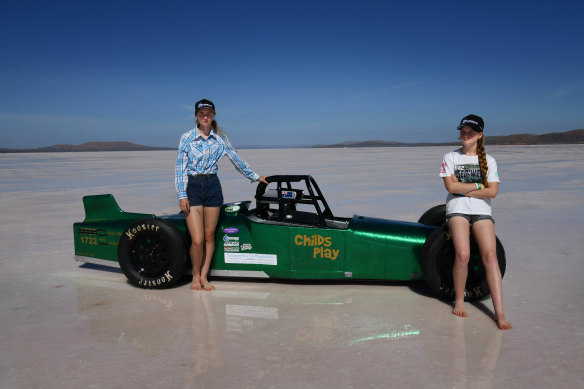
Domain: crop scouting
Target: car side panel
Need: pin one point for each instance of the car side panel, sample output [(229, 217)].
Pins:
[(366, 253), (278, 250), (385, 249), (244, 245)]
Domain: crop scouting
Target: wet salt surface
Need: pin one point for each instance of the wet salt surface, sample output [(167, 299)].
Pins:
[(65, 325)]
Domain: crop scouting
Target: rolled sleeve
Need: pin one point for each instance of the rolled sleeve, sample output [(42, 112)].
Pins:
[(181, 178)]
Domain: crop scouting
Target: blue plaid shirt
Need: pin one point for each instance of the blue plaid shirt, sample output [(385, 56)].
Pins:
[(197, 155)]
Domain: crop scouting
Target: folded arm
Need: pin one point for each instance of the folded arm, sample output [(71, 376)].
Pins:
[(470, 189)]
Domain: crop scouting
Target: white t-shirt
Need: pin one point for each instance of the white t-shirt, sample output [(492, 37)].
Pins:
[(466, 169)]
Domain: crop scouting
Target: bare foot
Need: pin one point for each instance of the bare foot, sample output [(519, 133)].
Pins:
[(502, 323), (459, 310), (207, 286), (196, 285)]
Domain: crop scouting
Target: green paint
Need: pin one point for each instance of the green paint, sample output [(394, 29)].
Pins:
[(369, 248)]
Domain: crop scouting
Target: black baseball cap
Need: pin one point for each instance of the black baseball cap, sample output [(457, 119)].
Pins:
[(473, 121), (204, 104)]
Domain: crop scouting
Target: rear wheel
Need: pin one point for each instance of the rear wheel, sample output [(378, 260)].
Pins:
[(152, 254), (437, 260), (435, 216)]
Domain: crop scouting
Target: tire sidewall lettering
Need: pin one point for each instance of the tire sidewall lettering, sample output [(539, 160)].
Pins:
[(132, 232), (167, 277), (169, 236)]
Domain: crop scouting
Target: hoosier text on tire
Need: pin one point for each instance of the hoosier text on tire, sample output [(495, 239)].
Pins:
[(151, 253)]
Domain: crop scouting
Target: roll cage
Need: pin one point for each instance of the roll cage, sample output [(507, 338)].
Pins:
[(280, 204)]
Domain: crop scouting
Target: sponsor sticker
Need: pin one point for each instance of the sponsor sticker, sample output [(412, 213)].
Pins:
[(251, 258), (232, 209), (231, 230)]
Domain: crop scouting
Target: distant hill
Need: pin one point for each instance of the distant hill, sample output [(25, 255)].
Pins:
[(553, 138), (89, 146), (568, 137)]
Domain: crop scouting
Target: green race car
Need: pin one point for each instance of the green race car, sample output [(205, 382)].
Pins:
[(290, 234)]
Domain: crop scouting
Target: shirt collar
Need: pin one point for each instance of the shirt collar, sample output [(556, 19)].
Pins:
[(198, 134)]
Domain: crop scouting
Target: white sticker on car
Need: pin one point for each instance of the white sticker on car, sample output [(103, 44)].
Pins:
[(251, 258)]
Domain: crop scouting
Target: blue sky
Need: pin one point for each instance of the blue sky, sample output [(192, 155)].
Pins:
[(287, 72)]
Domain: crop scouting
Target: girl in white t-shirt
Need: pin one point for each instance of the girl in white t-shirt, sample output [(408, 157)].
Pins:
[(471, 179)]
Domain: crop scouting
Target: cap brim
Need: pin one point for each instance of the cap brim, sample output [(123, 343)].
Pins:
[(209, 108), (477, 129)]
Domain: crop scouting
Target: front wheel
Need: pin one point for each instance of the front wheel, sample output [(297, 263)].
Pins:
[(152, 254), (437, 260)]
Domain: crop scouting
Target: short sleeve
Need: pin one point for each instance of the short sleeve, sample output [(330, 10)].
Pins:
[(493, 173), (447, 167)]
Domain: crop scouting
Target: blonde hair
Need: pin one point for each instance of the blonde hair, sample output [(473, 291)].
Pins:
[(483, 166)]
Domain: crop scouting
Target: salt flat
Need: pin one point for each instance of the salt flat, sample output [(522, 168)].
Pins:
[(71, 326)]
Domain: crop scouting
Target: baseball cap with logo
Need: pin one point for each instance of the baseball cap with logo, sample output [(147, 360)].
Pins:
[(473, 121), (204, 104)]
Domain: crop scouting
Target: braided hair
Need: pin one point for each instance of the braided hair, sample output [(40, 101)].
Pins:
[(483, 166)]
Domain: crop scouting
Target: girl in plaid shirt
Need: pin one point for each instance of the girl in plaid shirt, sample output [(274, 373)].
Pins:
[(198, 187)]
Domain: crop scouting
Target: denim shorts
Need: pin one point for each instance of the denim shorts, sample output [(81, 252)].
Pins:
[(205, 190), (471, 218)]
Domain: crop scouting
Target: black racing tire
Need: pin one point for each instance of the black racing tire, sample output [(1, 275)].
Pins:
[(152, 254), (437, 260), (435, 216)]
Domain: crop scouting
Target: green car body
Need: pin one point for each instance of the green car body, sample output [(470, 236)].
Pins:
[(273, 240)]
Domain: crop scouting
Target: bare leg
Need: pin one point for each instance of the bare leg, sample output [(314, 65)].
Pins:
[(459, 228), (484, 234), (195, 224), (211, 214)]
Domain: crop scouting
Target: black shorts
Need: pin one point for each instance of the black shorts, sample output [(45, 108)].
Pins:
[(471, 218), (205, 190)]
